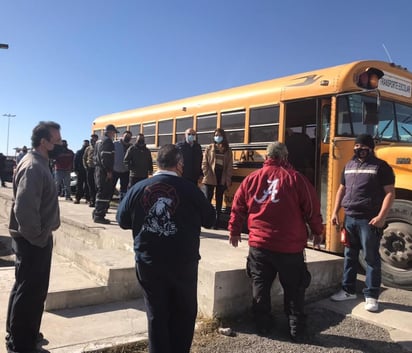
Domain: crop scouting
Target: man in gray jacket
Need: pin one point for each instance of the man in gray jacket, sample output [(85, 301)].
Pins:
[(34, 216)]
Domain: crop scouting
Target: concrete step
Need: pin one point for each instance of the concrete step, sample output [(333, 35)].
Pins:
[(79, 232), (224, 289), (114, 268), (72, 287)]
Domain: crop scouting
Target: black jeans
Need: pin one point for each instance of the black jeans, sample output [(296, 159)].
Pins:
[(82, 188), (263, 266), (170, 294), (26, 302), (220, 190), (133, 180), (91, 184), (124, 182)]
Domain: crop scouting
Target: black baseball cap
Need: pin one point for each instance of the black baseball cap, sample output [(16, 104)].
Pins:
[(111, 127)]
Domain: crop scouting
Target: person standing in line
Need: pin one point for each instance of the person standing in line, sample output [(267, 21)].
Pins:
[(120, 171), (165, 213), (217, 170), (192, 156), (366, 194), (34, 216), (138, 160), (88, 163), (277, 202), (2, 169), (22, 153), (63, 166), (81, 185), (103, 156)]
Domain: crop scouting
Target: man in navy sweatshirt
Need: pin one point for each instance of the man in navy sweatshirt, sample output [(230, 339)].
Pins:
[(165, 213)]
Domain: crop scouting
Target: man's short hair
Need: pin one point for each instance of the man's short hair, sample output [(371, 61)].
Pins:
[(277, 150), (168, 156), (42, 130)]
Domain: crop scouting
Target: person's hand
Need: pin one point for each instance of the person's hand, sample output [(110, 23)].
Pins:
[(334, 219), (377, 222), (234, 240), (317, 240)]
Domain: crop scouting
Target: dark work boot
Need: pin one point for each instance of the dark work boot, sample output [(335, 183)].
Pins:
[(296, 326), (216, 226)]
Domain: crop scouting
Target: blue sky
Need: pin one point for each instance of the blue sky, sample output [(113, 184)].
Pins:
[(72, 61)]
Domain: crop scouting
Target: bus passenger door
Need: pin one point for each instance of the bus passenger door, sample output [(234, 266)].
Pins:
[(341, 151), (307, 137)]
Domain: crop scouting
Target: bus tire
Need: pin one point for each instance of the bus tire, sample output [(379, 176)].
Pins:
[(396, 247)]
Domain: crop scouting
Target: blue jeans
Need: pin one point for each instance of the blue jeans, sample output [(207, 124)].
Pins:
[(366, 237), (63, 177)]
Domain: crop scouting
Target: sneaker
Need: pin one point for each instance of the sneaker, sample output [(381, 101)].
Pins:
[(371, 304), (342, 295), (101, 220), (76, 202)]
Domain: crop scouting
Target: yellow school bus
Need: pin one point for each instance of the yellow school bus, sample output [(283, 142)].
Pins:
[(318, 114)]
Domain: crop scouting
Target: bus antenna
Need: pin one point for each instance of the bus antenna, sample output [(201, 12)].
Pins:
[(387, 53)]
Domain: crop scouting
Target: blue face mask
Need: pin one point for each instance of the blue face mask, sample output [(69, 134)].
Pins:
[(191, 138), (218, 139)]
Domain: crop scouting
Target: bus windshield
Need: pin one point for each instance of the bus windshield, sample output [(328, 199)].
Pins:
[(395, 119)]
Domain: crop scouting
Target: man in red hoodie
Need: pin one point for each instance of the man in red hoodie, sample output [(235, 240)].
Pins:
[(278, 203)]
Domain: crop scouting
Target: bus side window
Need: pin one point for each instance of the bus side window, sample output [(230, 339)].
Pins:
[(301, 153), (326, 123)]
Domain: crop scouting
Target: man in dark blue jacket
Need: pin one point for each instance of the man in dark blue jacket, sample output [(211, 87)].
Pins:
[(366, 193), (165, 213)]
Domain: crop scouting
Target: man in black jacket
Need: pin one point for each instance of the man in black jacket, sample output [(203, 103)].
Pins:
[(192, 156), (81, 185), (165, 213)]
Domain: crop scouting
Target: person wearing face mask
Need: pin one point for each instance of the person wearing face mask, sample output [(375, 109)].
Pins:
[(278, 203), (34, 217), (217, 170), (63, 166), (82, 188), (103, 157), (89, 165), (138, 160), (165, 213), (120, 171), (366, 193), (192, 156)]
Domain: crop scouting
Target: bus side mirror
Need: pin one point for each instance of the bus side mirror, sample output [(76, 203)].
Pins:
[(370, 113), (369, 79)]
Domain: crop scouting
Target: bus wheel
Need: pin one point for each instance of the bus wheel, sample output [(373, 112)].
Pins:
[(396, 247)]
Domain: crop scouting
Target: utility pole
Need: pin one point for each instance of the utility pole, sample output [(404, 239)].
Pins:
[(8, 129)]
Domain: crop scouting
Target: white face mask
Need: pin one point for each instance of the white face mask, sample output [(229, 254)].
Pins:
[(218, 139), (191, 138)]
